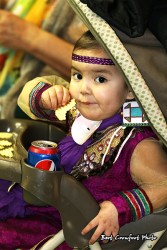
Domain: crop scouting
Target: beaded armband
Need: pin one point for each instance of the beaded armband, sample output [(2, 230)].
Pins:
[(138, 202), (34, 99)]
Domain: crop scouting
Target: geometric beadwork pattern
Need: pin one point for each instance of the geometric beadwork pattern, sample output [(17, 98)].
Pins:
[(133, 115), (108, 39)]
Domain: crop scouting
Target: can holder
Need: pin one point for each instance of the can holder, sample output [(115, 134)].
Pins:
[(42, 187), (24, 132)]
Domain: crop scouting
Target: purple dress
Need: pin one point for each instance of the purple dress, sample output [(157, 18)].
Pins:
[(23, 226)]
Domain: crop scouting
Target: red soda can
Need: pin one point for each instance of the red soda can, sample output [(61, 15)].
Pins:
[(44, 155)]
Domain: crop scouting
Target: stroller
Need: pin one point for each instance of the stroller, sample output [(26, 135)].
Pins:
[(74, 210)]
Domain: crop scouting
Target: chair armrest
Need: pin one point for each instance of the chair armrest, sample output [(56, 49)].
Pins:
[(75, 204), (149, 224)]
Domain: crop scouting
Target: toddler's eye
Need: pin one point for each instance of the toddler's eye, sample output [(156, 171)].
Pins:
[(77, 76), (100, 79)]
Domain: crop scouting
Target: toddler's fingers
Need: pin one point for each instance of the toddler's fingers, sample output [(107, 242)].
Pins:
[(63, 96), (57, 102), (99, 230), (108, 235), (115, 230), (89, 226), (45, 100), (66, 97)]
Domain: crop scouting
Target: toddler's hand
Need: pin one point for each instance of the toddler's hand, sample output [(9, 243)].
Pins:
[(54, 97), (106, 222)]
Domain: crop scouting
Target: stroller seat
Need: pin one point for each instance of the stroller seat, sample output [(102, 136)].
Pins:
[(75, 204)]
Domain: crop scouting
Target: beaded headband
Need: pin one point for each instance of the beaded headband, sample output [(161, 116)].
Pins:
[(92, 60)]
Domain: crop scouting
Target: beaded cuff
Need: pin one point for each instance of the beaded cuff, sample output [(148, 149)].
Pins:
[(138, 202), (131, 205), (34, 98), (92, 60)]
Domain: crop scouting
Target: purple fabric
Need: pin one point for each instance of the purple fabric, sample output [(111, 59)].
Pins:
[(119, 174), (22, 225), (14, 197), (92, 60), (25, 233), (39, 222), (71, 150), (124, 211), (118, 178)]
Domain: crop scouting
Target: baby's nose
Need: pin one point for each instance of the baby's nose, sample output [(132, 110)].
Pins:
[(85, 87)]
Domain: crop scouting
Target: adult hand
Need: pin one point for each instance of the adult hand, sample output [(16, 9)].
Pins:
[(16, 33), (106, 222)]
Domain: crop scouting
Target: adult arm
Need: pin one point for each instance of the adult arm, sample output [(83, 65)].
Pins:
[(149, 171), (18, 34)]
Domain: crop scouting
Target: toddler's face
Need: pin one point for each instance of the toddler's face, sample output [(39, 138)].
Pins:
[(99, 90)]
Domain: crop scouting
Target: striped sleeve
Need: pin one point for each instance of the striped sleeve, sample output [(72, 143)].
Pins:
[(34, 99), (132, 205), (138, 202)]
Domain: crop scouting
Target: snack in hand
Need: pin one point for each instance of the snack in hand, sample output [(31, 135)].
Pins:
[(61, 112)]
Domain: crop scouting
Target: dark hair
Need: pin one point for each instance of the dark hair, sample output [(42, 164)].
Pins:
[(87, 41)]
